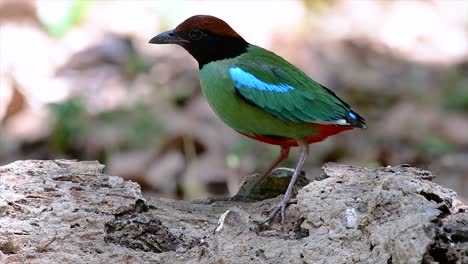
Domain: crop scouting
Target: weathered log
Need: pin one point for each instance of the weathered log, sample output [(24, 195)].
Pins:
[(70, 212)]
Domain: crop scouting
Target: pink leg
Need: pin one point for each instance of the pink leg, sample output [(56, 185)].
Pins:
[(283, 155), (284, 201)]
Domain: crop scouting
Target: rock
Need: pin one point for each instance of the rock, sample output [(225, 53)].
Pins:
[(70, 212), (273, 185), (373, 210)]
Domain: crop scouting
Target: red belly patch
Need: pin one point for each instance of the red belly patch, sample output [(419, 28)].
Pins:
[(323, 131)]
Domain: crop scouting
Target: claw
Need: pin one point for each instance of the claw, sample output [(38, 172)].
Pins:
[(272, 213), (283, 216), (281, 206), (285, 200)]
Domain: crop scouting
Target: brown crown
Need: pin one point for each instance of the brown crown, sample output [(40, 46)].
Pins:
[(208, 23)]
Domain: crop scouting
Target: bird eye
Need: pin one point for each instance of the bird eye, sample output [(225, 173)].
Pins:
[(195, 34)]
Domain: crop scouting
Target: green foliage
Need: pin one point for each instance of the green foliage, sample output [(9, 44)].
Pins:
[(135, 127), (69, 123), (434, 145), (138, 126), (372, 164), (70, 18), (456, 94), (317, 5), (135, 65)]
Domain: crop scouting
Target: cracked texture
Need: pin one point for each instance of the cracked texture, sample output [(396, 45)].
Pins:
[(70, 212)]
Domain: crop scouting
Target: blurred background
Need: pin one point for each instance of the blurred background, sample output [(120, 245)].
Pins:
[(79, 80)]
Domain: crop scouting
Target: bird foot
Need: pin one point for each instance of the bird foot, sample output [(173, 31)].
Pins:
[(280, 207)]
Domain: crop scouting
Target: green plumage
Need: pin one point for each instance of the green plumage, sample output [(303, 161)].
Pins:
[(292, 114)]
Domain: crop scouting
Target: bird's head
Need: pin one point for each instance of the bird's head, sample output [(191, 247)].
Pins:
[(206, 38)]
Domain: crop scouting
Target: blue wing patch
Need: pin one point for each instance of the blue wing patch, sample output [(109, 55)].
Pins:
[(353, 116), (243, 78)]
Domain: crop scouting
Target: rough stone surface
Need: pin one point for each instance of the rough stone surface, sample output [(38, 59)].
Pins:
[(70, 212), (272, 185)]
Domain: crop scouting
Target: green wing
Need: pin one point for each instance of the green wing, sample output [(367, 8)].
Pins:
[(271, 83)]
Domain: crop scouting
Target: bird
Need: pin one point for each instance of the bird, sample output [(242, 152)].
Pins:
[(261, 95)]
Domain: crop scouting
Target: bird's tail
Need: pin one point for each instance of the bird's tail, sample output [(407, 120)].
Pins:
[(356, 120)]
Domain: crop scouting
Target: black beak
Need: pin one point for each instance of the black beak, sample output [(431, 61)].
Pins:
[(168, 37)]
